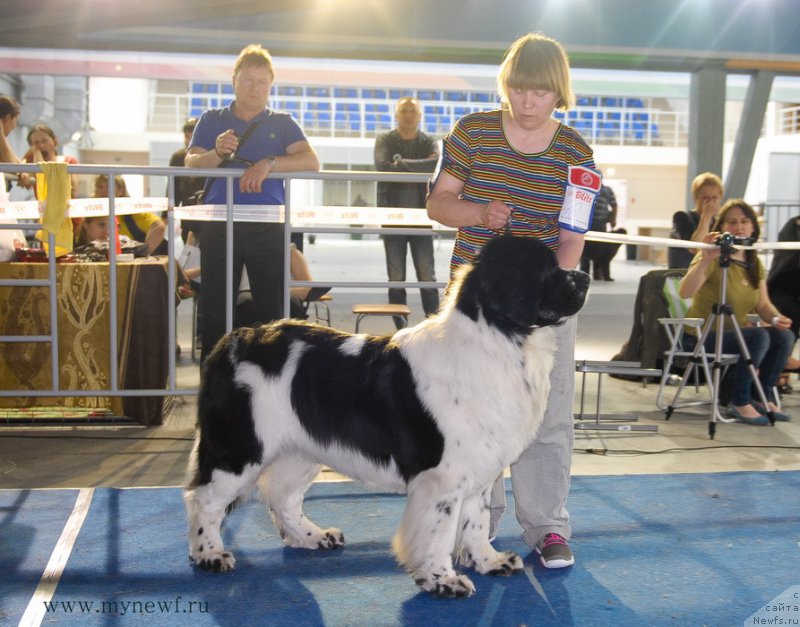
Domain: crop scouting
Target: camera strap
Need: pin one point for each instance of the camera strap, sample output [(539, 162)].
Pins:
[(201, 198)]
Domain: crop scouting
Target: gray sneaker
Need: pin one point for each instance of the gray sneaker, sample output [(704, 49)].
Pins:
[(554, 552)]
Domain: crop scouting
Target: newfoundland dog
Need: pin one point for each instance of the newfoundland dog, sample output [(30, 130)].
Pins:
[(435, 411)]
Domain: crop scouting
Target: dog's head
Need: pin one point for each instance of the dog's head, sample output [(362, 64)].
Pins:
[(516, 284)]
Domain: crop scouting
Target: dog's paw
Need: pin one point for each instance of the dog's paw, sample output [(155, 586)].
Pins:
[(447, 587), (216, 563), (492, 562), (505, 564), (331, 539), (321, 539)]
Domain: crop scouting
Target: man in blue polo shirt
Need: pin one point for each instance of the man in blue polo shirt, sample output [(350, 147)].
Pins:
[(270, 142)]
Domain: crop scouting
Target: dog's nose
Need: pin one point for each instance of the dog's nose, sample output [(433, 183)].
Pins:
[(581, 279)]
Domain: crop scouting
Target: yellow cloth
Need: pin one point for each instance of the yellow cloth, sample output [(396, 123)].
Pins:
[(55, 188)]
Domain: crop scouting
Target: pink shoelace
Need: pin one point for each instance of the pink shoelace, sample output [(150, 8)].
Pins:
[(552, 538)]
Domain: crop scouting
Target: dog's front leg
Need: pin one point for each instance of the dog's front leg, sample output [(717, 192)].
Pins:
[(425, 542), (475, 549)]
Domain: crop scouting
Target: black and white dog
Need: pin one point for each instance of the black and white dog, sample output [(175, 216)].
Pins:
[(436, 411)]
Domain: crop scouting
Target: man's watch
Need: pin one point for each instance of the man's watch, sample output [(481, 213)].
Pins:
[(272, 161)]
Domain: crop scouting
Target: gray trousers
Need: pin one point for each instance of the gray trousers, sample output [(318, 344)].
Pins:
[(540, 477)]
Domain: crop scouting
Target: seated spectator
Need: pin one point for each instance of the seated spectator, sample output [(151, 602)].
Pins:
[(44, 147), (245, 314), (298, 266), (769, 346), (783, 284), (694, 224), (91, 240), (92, 229), (143, 227)]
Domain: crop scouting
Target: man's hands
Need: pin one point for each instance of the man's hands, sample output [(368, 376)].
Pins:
[(226, 144), (250, 183), (255, 175)]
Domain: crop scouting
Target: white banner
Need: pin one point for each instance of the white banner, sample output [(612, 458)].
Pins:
[(82, 207), (344, 216), (307, 215)]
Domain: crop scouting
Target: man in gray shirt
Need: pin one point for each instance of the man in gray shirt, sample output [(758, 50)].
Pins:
[(407, 149)]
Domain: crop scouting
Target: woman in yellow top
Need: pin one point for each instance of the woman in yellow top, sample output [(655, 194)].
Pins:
[(769, 346), (141, 227)]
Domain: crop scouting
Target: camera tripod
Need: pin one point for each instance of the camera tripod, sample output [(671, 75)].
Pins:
[(719, 312)]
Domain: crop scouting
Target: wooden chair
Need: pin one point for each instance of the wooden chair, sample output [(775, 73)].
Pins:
[(318, 297), (361, 311)]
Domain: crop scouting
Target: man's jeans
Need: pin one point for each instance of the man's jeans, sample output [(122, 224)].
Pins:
[(396, 247)]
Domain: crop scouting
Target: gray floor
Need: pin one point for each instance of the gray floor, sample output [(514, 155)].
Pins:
[(140, 457)]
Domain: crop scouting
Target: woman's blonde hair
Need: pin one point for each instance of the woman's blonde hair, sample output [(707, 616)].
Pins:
[(706, 178), (536, 61)]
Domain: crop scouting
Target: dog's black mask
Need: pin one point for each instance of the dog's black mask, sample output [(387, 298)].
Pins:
[(517, 285)]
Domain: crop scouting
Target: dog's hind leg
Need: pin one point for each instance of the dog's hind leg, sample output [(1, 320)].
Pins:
[(474, 547), (206, 506), (283, 485), (425, 541)]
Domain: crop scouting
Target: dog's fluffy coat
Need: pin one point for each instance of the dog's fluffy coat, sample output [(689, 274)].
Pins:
[(436, 411)]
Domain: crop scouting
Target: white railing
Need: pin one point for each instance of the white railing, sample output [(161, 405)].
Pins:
[(228, 174), (775, 217)]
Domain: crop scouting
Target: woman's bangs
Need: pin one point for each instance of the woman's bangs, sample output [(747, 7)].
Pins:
[(529, 75)]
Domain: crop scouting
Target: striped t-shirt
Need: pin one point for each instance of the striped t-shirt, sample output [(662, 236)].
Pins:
[(533, 184)]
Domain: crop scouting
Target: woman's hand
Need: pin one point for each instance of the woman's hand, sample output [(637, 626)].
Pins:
[(28, 181), (710, 253), (781, 322), (496, 214), (696, 275)]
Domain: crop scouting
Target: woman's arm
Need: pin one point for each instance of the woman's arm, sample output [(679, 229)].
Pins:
[(768, 311), (155, 235), (696, 275), (570, 248), (707, 212), (7, 154), (446, 206)]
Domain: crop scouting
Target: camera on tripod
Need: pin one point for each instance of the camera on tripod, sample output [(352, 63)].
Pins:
[(726, 242)]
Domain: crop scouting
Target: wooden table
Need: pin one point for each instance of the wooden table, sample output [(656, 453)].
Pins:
[(84, 335)]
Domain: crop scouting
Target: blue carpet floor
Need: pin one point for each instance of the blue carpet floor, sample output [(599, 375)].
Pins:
[(651, 550)]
